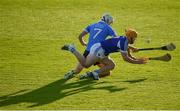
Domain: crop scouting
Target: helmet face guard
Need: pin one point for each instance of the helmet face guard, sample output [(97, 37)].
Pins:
[(107, 18)]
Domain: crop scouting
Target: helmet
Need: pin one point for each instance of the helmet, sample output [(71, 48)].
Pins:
[(107, 18), (131, 34)]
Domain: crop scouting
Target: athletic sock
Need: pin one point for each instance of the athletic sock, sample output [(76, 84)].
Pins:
[(72, 50), (96, 74), (97, 71)]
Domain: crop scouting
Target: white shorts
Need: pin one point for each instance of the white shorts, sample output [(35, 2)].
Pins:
[(97, 50)]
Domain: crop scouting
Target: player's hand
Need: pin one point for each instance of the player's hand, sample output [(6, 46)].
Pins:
[(143, 59), (134, 49), (83, 44)]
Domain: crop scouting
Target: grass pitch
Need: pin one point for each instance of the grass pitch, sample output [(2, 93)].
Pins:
[(32, 65)]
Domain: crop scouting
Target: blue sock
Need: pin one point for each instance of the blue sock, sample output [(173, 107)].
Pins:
[(72, 50), (97, 71), (90, 74)]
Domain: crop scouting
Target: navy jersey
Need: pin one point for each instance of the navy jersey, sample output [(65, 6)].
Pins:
[(98, 32), (114, 44)]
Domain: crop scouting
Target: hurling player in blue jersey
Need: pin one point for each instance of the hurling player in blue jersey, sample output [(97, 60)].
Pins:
[(98, 32), (99, 53)]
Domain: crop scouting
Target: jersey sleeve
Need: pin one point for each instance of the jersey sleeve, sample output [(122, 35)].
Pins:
[(123, 45), (87, 29), (111, 32)]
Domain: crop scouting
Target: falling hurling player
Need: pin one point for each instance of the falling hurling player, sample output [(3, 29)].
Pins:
[(98, 32), (99, 53)]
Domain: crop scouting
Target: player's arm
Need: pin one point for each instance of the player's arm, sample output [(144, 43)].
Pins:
[(112, 33), (129, 53), (133, 60), (81, 35), (133, 49)]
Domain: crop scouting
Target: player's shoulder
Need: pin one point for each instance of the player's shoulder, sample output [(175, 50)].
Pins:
[(123, 37), (124, 40), (120, 37), (109, 27), (102, 23)]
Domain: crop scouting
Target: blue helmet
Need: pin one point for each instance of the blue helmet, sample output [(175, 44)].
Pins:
[(107, 18)]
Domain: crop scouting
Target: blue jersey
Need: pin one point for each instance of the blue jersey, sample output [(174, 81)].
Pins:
[(115, 44), (98, 32)]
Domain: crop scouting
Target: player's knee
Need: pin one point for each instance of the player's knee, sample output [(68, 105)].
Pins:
[(112, 66), (108, 73)]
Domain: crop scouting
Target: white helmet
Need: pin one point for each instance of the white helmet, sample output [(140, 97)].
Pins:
[(107, 18)]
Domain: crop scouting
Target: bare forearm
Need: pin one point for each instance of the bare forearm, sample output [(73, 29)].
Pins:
[(129, 54), (133, 61), (130, 59), (81, 40)]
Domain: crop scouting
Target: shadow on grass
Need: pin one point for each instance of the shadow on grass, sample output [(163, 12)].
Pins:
[(54, 91), (135, 80), (15, 93)]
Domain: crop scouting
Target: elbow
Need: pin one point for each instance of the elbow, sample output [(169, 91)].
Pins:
[(80, 37), (112, 66)]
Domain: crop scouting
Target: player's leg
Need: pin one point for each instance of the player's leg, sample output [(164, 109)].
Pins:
[(108, 66), (70, 74), (100, 65), (102, 72), (96, 53), (77, 70), (79, 67), (89, 61), (85, 62)]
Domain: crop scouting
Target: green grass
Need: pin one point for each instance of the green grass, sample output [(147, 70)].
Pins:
[(32, 65)]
